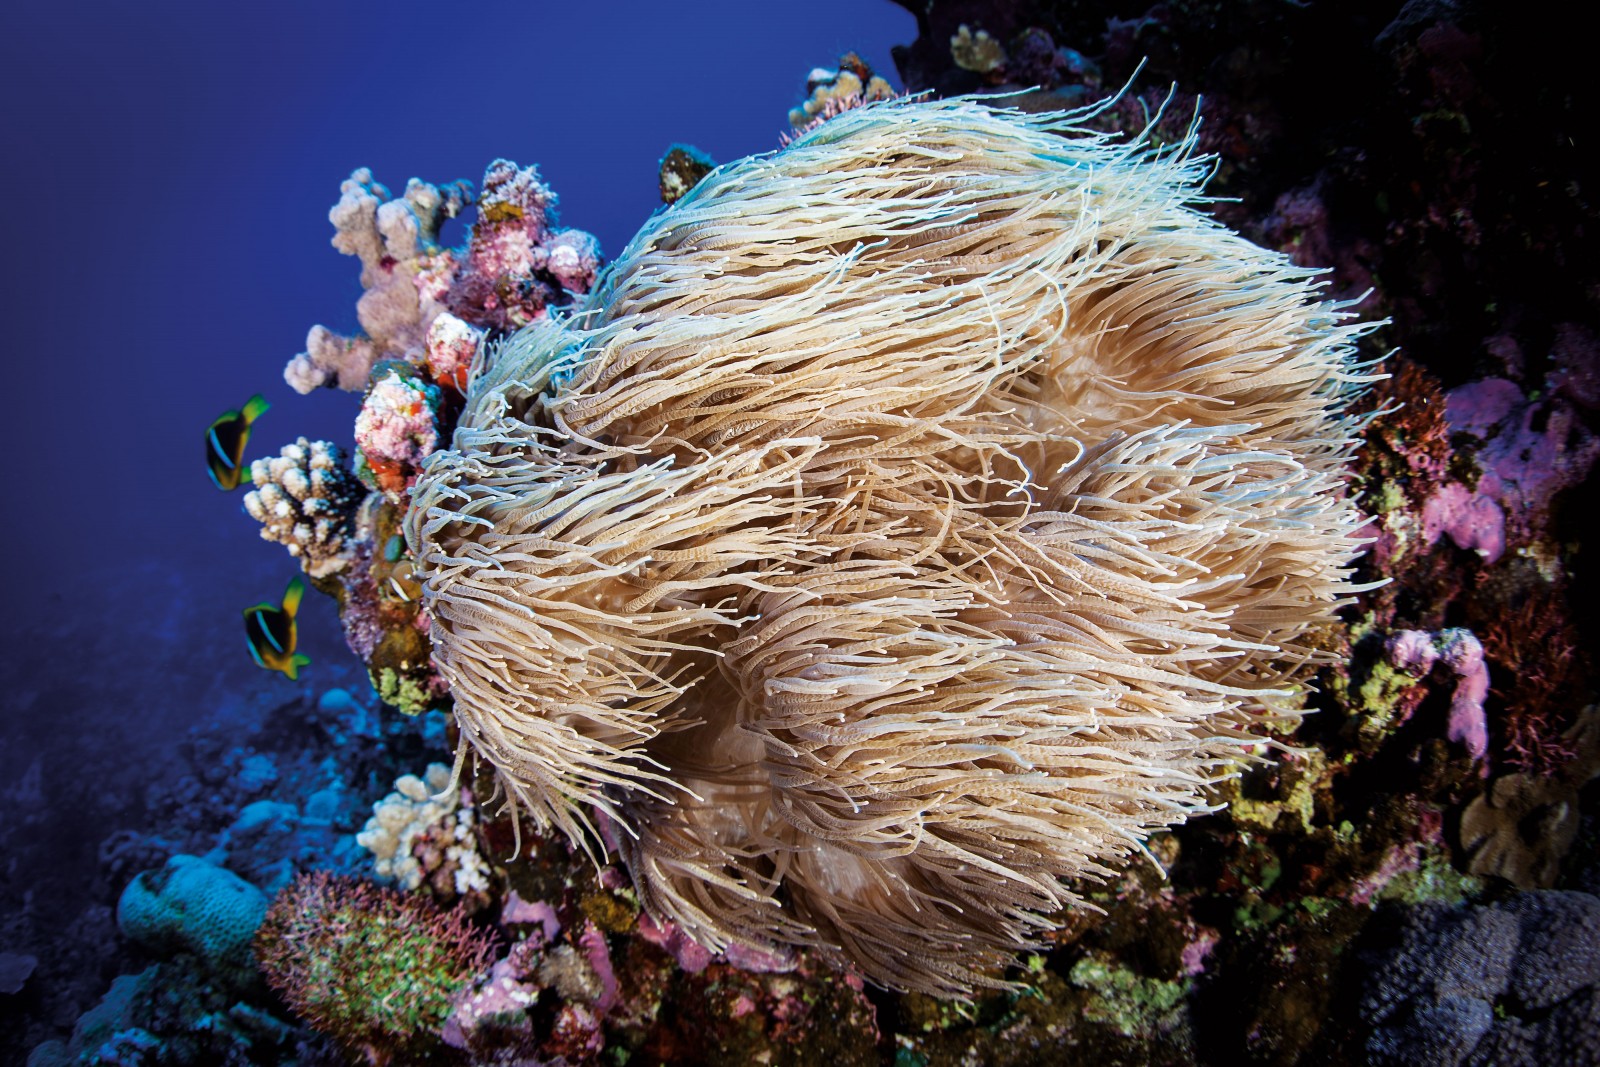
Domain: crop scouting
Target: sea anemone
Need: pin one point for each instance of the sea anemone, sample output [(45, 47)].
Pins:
[(911, 522)]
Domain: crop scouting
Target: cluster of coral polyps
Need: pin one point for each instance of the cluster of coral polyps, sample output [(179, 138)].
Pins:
[(306, 499), (425, 312)]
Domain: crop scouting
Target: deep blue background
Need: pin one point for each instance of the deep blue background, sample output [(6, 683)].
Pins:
[(168, 170)]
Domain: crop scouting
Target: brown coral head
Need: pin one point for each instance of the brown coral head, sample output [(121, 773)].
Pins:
[(911, 522)]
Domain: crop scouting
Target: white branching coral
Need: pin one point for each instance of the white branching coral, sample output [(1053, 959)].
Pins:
[(913, 521), (413, 809), (306, 499), (423, 827)]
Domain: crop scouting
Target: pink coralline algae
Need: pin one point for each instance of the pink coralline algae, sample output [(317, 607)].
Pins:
[(691, 957), (397, 427), (1528, 451), (500, 998), (1472, 521), (451, 347), (539, 914), (1417, 652), (492, 1014), (516, 264), (1193, 958)]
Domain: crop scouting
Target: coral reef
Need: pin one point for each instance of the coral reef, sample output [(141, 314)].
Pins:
[(516, 263), (897, 568), (1356, 902), (305, 499), (426, 311)]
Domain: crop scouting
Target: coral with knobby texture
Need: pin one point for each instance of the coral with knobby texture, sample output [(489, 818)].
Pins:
[(515, 264), (372, 968), (413, 809), (404, 275), (518, 263), (306, 499), (451, 346), (192, 906), (396, 429), (914, 520), (423, 830), (1509, 984), (831, 92)]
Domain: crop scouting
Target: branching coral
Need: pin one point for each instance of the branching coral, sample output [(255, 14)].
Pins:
[(404, 275), (306, 499), (911, 521), (516, 264)]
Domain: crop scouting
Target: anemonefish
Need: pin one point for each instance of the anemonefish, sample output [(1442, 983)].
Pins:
[(271, 631), (225, 441)]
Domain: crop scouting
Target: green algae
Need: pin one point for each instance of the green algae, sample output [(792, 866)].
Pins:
[(1130, 1003), (402, 691)]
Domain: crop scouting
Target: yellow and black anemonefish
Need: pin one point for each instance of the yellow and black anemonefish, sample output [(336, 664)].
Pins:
[(272, 633), (225, 441)]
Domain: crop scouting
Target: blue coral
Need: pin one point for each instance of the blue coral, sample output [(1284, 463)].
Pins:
[(1502, 984), (191, 906)]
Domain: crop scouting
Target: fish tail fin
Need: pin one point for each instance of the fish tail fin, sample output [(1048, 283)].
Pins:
[(296, 661), (293, 595), (254, 408)]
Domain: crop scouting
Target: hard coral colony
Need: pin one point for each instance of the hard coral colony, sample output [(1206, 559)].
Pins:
[(909, 523)]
